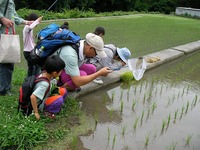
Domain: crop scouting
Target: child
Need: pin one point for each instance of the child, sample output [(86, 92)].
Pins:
[(29, 43), (115, 60), (100, 31), (48, 103)]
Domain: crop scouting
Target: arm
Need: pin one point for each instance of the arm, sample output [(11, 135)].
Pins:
[(82, 80), (34, 105)]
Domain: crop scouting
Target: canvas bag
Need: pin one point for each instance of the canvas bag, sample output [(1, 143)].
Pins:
[(138, 67), (9, 47)]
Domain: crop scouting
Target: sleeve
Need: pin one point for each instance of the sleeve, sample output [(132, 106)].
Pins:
[(40, 89), (2, 7), (17, 19)]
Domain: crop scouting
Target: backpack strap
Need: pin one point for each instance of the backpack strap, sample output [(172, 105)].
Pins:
[(43, 79)]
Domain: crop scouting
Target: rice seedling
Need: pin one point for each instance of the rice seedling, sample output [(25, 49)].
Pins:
[(148, 113), (175, 115), (135, 123), (121, 106), (153, 107), (183, 92), (146, 140), (108, 134), (161, 88), (194, 102), (188, 87), (187, 106), (163, 126), (168, 120), (121, 94), (188, 140), (133, 104), (111, 111), (112, 95), (114, 140), (144, 99), (140, 88), (141, 119), (123, 130), (182, 111), (173, 146)]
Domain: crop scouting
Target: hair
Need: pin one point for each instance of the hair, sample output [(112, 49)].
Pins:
[(53, 63), (65, 25), (32, 16), (99, 30)]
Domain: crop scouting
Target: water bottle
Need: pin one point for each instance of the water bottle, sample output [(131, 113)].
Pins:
[(39, 51)]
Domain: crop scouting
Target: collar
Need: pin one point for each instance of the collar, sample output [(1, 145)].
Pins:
[(81, 55)]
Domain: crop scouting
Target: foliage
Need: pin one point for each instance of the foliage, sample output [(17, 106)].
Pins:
[(162, 6), (19, 132)]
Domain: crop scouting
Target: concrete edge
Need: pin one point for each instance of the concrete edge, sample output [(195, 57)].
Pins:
[(164, 56)]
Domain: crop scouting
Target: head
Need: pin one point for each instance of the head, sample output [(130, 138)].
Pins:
[(54, 65), (100, 31), (32, 16), (123, 54), (94, 46), (65, 25)]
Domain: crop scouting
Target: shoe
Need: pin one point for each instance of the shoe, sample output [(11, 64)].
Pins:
[(98, 81), (49, 114)]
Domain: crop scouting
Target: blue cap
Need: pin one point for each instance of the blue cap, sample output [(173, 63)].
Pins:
[(124, 54)]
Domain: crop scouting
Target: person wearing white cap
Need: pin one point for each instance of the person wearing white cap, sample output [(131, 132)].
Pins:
[(76, 72), (115, 60)]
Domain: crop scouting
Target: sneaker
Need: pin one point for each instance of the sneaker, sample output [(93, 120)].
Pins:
[(49, 114), (98, 81)]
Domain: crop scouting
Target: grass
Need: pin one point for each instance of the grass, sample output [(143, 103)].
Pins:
[(136, 32)]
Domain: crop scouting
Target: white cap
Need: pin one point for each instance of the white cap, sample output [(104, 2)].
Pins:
[(96, 42)]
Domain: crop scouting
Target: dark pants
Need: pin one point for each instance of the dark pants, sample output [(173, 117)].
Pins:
[(6, 71), (32, 68)]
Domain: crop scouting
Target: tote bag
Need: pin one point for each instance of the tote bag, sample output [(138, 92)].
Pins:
[(9, 47)]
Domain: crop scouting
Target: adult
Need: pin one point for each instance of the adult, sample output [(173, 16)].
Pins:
[(8, 18), (100, 31), (76, 72)]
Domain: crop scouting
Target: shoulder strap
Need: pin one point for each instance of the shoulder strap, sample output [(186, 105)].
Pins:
[(6, 8), (44, 79)]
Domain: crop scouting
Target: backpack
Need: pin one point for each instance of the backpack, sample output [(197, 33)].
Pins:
[(51, 39), (25, 92)]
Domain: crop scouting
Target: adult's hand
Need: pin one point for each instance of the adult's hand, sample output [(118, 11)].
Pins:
[(7, 22), (105, 71)]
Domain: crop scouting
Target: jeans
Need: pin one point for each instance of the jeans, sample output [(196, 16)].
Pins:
[(6, 70), (32, 68)]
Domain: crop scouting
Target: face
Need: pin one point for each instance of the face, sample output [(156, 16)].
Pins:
[(56, 74), (89, 51)]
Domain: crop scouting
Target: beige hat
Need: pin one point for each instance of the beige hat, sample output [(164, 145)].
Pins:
[(96, 42)]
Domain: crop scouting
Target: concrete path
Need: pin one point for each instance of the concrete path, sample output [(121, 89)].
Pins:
[(164, 56)]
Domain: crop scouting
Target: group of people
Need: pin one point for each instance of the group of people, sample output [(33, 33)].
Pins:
[(93, 60)]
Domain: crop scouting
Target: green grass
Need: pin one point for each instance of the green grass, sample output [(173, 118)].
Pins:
[(142, 34)]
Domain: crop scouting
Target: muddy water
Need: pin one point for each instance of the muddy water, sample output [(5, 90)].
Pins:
[(159, 112)]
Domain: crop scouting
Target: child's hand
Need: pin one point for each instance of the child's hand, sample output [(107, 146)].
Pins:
[(37, 116), (40, 18)]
